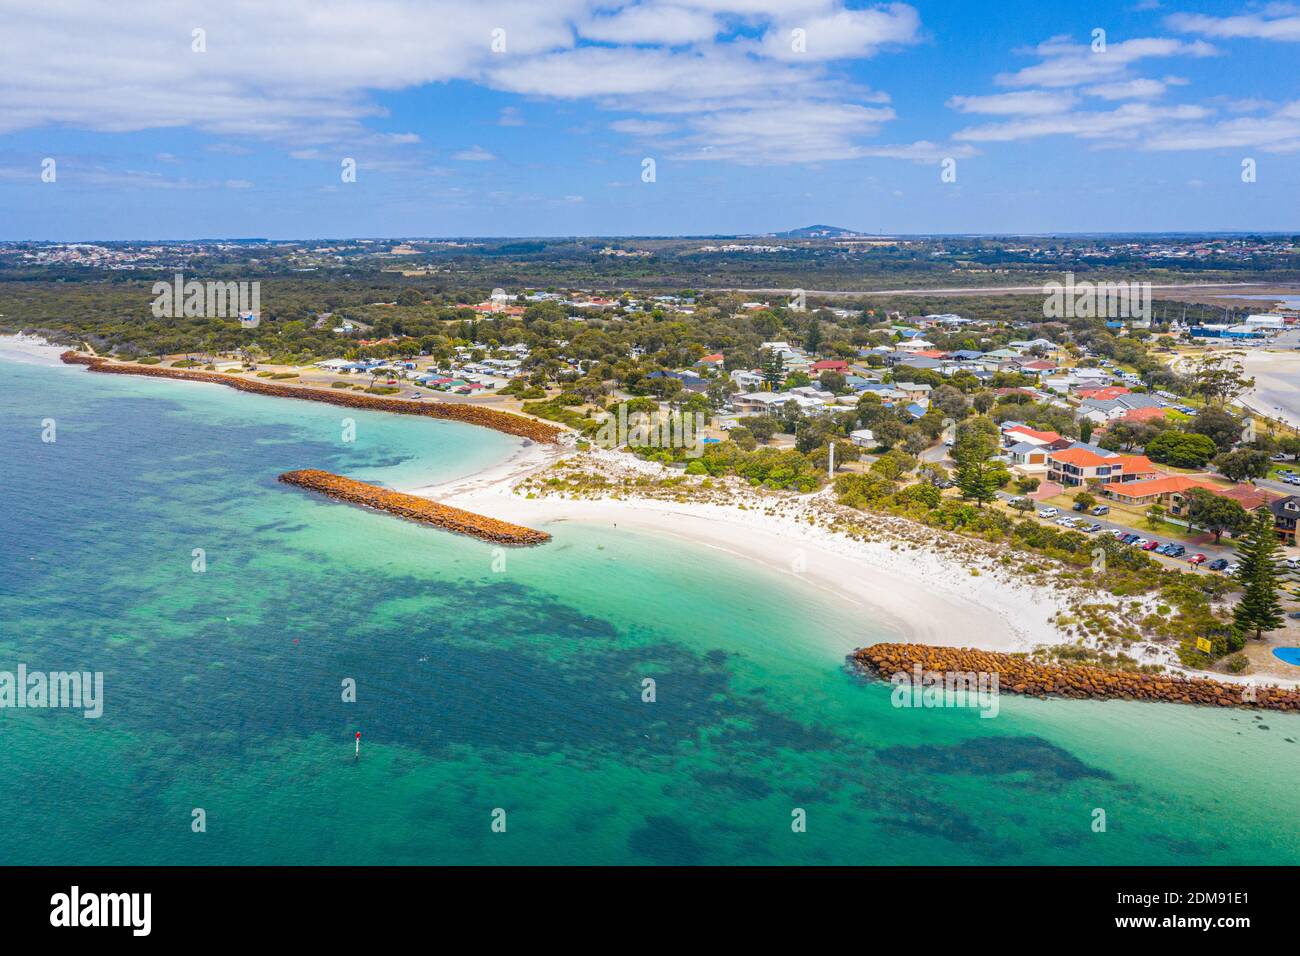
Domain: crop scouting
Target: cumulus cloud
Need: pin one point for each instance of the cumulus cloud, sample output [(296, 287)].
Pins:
[(1023, 103), (1067, 63), (310, 74), (1284, 24)]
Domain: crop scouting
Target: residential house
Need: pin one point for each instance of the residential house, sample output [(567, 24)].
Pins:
[(914, 391), (830, 365), (1080, 465), (1286, 511)]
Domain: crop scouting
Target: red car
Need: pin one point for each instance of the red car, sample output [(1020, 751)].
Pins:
[(1150, 545), (1197, 559)]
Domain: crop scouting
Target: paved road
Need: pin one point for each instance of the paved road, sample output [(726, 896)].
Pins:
[(1210, 551)]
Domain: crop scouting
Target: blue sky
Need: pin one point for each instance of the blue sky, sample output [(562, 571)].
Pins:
[(515, 117)]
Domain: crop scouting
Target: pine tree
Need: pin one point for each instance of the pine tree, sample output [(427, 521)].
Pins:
[(975, 444), (1259, 609), (773, 367)]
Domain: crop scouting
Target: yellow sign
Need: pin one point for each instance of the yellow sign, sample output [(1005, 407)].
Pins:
[(1203, 644)]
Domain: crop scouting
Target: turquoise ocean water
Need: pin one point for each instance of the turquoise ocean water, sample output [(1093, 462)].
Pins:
[(519, 688)]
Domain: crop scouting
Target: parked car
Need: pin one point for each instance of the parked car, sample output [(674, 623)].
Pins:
[(1197, 559), (1232, 568), (1128, 538), (1218, 564), (1117, 532), (1048, 513), (1293, 564), (1150, 545), (1101, 510), (1177, 551), (1090, 528)]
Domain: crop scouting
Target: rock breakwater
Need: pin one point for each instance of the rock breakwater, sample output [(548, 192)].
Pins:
[(1019, 675), (414, 508), (506, 422)]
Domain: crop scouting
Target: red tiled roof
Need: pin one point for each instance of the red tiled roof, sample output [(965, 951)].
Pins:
[(830, 365), (1247, 496), (1048, 437), (1109, 393), (1136, 465), (1143, 414), (1157, 486), (1080, 457)]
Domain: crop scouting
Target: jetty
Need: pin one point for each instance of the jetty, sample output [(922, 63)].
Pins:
[(1019, 675), (414, 508), (507, 422)]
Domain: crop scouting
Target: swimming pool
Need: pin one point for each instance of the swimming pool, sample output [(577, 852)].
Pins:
[(1289, 654)]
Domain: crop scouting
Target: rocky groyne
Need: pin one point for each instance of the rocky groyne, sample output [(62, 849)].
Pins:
[(414, 508), (506, 422), (1018, 675)]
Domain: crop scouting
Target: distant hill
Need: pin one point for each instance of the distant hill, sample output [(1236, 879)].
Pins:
[(818, 232)]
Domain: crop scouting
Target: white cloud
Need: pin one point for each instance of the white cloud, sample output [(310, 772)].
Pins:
[(1022, 103), (1141, 88), (510, 116), (1126, 122), (650, 22), (843, 34), (476, 154), (639, 127), (307, 74), (1066, 63), (1284, 26)]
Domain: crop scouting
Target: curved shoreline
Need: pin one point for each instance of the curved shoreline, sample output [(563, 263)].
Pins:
[(506, 422)]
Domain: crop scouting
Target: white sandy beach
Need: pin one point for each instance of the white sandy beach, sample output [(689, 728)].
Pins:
[(923, 595), (1277, 384), (30, 350)]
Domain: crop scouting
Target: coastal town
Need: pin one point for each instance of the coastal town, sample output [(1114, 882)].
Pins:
[(1125, 438)]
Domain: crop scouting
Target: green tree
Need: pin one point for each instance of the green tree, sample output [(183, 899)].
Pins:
[(1181, 449), (812, 341), (1259, 609), (977, 475), (1218, 425), (1155, 515), (772, 365), (1215, 513), (1243, 464), (1219, 380)]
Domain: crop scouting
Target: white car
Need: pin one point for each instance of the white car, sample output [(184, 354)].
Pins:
[(1140, 542), (1293, 564), (1048, 513)]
